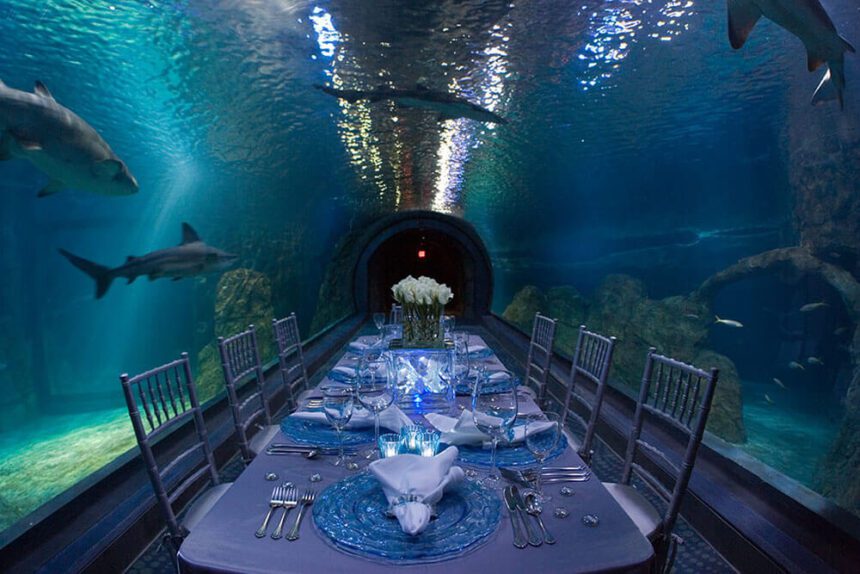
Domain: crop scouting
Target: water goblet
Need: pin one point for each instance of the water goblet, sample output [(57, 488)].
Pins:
[(338, 405), (494, 414), (543, 432), (379, 321), (375, 391)]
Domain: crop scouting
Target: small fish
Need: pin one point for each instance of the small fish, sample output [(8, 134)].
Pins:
[(728, 322), (796, 366), (813, 306), (767, 399), (691, 316), (778, 383), (814, 361)]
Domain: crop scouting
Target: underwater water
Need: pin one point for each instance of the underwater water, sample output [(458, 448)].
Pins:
[(641, 156)]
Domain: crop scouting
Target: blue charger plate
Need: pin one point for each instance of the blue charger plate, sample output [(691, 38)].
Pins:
[(322, 434), (513, 456), (351, 514)]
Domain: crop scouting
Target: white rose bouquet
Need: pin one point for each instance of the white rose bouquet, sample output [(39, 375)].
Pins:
[(423, 302)]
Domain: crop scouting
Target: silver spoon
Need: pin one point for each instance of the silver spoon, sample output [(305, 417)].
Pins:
[(533, 508)]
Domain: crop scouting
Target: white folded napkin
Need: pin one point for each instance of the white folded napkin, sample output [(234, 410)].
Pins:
[(391, 418), (348, 372), (478, 348), (359, 346), (462, 430), (412, 484)]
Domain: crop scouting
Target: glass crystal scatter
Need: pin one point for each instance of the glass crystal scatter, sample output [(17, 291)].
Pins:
[(352, 515)]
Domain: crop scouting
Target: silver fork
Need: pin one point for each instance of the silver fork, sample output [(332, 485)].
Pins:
[(290, 501), (307, 499), (274, 502)]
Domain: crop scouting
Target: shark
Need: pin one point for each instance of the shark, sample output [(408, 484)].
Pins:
[(448, 106), (35, 127), (191, 257), (807, 20)]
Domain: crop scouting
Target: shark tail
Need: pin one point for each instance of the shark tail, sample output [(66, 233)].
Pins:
[(832, 84), (99, 273)]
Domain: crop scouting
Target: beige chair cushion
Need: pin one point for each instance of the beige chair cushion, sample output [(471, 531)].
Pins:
[(204, 504), (263, 437), (637, 507)]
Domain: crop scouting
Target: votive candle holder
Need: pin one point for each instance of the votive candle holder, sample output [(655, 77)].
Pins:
[(389, 445), (428, 443), (410, 439)]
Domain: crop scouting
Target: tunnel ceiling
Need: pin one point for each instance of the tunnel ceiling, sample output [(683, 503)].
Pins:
[(603, 98)]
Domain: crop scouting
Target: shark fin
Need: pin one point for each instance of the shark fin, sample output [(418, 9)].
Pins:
[(188, 234), (845, 44), (106, 168), (743, 16), (829, 88), (43, 91), (99, 273), (54, 186)]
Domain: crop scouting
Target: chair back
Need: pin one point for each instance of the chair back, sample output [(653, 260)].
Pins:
[(681, 395), (540, 354), (240, 360), (159, 401), (396, 316), (291, 358), (592, 359)]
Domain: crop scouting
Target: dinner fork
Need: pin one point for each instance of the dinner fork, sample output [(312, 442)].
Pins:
[(274, 502), (291, 500), (307, 499)]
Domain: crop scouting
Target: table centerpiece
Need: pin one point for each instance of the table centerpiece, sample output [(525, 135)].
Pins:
[(423, 300)]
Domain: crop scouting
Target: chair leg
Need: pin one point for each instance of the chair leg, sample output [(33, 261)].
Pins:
[(665, 552)]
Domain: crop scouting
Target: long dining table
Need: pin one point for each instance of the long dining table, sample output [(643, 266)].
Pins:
[(224, 540)]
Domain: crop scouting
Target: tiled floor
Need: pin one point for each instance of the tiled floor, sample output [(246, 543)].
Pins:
[(695, 556)]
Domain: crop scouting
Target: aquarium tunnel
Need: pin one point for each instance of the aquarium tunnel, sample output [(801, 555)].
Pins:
[(676, 177)]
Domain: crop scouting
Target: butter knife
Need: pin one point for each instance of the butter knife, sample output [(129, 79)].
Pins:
[(533, 537), (519, 537)]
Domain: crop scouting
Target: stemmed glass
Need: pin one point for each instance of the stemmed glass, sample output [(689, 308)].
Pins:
[(543, 431), (338, 404), (494, 414), (379, 321), (376, 391)]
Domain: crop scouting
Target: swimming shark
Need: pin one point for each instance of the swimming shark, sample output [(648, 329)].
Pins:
[(191, 257), (33, 126), (447, 106), (807, 20)]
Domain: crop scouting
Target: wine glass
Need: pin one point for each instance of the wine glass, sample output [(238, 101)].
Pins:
[(543, 431), (375, 391), (494, 414), (338, 405), (379, 321)]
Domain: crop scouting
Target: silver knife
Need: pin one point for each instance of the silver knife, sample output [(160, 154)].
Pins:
[(519, 537), (533, 537)]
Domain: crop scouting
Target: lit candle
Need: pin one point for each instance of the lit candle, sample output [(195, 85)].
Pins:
[(410, 437), (389, 445), (428, 442)]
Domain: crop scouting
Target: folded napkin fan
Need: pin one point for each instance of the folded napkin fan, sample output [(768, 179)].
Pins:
[(391, 418), (359, 346), (462, 431), (413, 483)]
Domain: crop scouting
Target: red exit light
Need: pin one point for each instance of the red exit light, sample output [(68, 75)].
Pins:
[(422, 254)]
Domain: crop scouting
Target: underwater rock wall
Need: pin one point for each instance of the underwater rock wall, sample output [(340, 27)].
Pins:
[(676, 326), (243, 297)]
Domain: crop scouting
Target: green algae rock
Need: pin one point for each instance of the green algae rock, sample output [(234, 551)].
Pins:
[(243, 297), (676, 326)]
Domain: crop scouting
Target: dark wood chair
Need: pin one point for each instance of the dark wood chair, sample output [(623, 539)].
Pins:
[(679, 395), (160, 401)]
